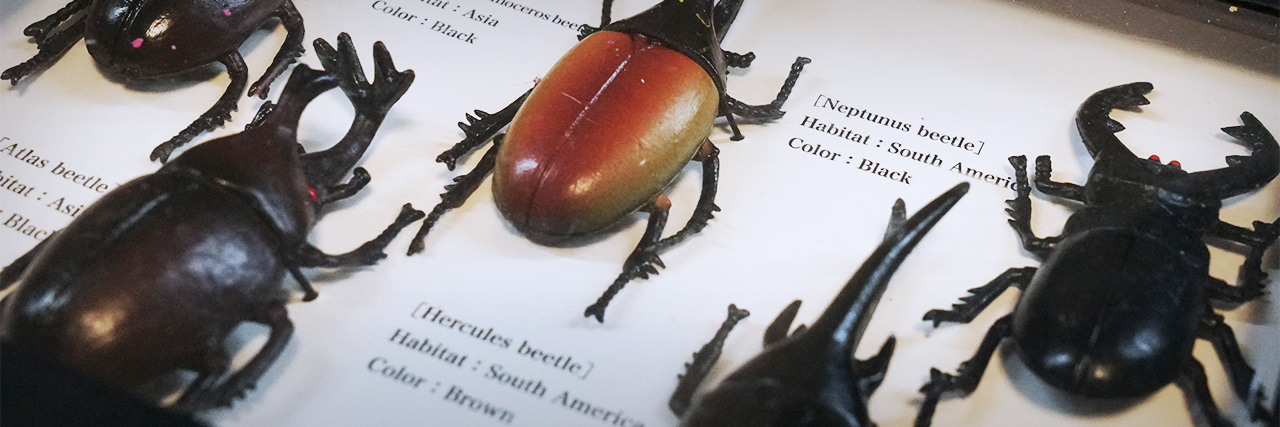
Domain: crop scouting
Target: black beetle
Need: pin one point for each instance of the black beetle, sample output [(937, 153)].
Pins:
[(809, 379), (145, 39), (1123, 293), (609, 128), (152, 277)]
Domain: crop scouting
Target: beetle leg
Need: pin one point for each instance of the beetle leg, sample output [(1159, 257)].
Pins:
[(642, 262), (703, 361), (1252, 278), (777, 331), (367, 254), (1214, 329), (1196, 387), (1066, 190), (49, 49), (216, 116), (44, 27), (772, 110), (277, 318), (980, 297), (289, 51), (456, 194), (737, 60), (1020, 212), (480, 128), (709, 155), (10, 274), (359, 178), (871, 372), (216, 364), (967, 375), (726, 11), (605, 18)]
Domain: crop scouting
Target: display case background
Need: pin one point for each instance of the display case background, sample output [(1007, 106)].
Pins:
[(1010, 73)]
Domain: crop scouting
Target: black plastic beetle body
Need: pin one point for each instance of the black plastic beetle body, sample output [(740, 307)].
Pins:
[(146, 39), (1124, 292), (807, 378), (692, 28), (154, 276)]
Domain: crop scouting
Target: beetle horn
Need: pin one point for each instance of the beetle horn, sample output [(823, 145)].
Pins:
[(1243, 173), (847, 316), (1093, 119)]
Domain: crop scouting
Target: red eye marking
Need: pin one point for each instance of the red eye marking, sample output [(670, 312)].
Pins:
[(1154, 157), (1175, 163), (312, 192)]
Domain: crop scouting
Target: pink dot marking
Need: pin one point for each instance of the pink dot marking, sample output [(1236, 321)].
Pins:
[(137, 43), (226, 12), (173, 47)]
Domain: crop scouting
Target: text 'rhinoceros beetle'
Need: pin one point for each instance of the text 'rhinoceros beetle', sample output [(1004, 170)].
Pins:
[(146, 39), (154, 276), (609, 128), (1123, 293), (807, 378)]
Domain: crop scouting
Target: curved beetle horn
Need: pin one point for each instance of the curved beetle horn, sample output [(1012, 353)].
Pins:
[(847, 316), (1093, 120), (1243, 173)]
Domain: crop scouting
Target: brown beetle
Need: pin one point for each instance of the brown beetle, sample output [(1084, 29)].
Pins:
[(154, 276)]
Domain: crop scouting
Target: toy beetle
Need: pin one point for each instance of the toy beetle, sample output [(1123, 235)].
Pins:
[(154, 276), (1123, 293), (808, 379), (140, 39), (609, 128)]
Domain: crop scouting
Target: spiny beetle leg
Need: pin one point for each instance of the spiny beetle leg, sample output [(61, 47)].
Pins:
[(277, 319), (1214, 329), (42, 28), (709, 156), (703, 361), (479, 129), (368, 253), (1020, 213), (642, 262), (217, 115), (1196, 386), (772, 110), (289, 51), (49, 49), (980, 297), (1066, 190), (777, 331), (967, 375), (605, 18), (456, 194), (359, 179)]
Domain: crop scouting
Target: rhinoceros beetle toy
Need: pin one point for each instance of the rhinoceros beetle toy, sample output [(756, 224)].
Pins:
[(609, 128), (1123, 293), (807, 378), (154, 276), (140, 39)]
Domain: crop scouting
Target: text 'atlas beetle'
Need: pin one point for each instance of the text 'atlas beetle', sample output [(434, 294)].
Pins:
[(609, 128), (1123, 293), (808, 379), (153, 277), (147, 39)]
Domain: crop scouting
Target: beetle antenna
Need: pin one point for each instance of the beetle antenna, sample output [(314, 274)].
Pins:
[(847, 316)]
